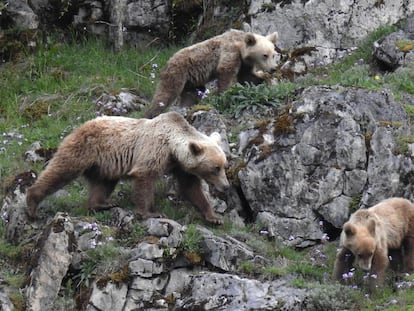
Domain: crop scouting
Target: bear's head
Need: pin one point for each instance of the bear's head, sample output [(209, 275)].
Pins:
[(361, 241), (207, 161), (259, 52)]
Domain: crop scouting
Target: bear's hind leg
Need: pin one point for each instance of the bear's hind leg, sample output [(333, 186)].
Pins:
[(191, 189), (99, 192), (169, 88), (49, 181), (144, 197), (408, 258)]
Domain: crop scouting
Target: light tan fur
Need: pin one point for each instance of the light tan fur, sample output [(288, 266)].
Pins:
[(222, 57), (108, 149), (371, 233)]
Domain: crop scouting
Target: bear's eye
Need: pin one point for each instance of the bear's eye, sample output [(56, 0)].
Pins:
[(217, 170), (265, 56)]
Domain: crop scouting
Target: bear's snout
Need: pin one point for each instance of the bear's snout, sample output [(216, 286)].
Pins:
[(273, 70), (222, 185)]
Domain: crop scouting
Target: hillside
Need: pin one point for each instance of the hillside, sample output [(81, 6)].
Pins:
[(290, 144)]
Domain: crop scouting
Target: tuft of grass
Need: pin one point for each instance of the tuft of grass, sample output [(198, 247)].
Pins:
[(191, 240), (250, 98)]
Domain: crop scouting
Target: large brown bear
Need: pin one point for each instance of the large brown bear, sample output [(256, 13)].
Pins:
[(107, 149), (229, 57), (369, 235)]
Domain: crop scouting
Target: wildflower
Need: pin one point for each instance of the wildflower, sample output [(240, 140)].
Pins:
[(152, 75), (390, 258), (377, 77), (325, 237), (154, 66), (321, 223), (161, 104), (291, 238), (374, 276), (93, 244), (5, 217), (264, 232), (19, 180), (348, 275)]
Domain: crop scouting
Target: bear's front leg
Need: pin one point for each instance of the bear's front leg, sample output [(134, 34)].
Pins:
[(379, 264), (191, 189), (227, 71), (343, 264), (144, 197)]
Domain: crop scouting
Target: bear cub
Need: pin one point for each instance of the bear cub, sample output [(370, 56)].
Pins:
[(370, 235), (107, 149), (230, 57)]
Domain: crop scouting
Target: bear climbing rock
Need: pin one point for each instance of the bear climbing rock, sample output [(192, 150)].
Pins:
[(229, 57), (370, 234), (107, 149)]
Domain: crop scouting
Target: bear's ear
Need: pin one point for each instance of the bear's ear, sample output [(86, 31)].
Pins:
[(196, 149), (216, 137), (349, 229), (371, 227), (250, 39), (273, 37)]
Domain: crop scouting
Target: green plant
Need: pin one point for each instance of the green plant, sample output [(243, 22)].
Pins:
[(273, 272), (331, 297), (132, 237), (192, 240), (355, 201), (101, 260), (241, 98)]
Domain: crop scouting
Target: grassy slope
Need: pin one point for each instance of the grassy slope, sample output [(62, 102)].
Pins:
[(74, 74)]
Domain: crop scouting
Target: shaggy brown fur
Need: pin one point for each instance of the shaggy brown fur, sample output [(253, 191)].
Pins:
[(371, 233), (221, 57), (107, 149)]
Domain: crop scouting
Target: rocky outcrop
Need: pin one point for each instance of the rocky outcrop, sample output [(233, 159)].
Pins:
[(396, 49), (333, 27), (340, 146)]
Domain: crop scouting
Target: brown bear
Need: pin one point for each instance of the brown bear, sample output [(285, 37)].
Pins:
[(228, 57), (106, 149), (370, 234)]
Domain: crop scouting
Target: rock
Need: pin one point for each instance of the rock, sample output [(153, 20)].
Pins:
[(13, 210), (22, 15), (110, 297), (333, 27), (397, 48), (216, 291), (223, 253), (52, 264), (5, 302)]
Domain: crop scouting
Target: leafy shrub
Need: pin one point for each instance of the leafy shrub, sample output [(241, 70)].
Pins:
[(330, 297), (249, 98), (191, 240)]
